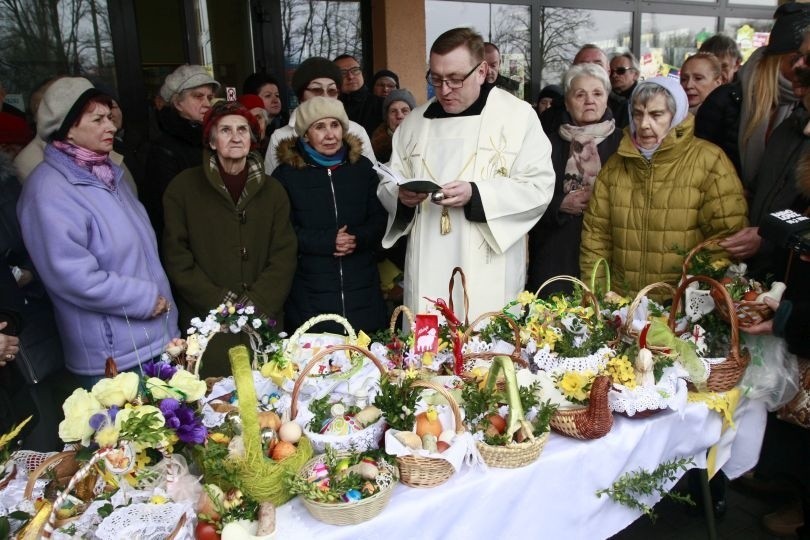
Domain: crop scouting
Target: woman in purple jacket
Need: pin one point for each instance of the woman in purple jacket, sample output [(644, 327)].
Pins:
[(91, 241)]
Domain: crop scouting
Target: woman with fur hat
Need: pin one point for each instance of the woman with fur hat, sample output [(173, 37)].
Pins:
[(337, 217), (228, 235), (188, 92), (90, 241)]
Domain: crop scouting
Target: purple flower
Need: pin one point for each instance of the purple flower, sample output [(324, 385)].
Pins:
[(160, 369), (99, 420), (271, 323), (182, 420)]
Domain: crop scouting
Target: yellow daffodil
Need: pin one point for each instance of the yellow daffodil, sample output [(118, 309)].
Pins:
[(411, 373), (575, 386), (525, 298), (720, 264), (427, 359), (158, 499)]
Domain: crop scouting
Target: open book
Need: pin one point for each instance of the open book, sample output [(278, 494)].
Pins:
[(411, 184)]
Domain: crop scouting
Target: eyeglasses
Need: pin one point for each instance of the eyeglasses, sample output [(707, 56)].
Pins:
[(437, 82), (320, 91), (355, 71), (621, 70)]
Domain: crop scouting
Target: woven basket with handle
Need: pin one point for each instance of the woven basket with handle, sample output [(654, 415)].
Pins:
[(591, 422), (425, 472), (368, 438), (724, 375), (745, 312), (349, 513)]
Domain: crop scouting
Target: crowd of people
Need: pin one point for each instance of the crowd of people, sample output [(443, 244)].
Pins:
[(282, 211)]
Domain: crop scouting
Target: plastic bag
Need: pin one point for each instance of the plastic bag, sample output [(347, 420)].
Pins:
[(772, 375)]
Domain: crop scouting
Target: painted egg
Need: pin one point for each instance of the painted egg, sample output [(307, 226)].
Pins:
[(342, 425), (352, 495)]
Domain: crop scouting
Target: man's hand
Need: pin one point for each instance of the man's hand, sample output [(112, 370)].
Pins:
[(743, 244), (456, 193), (345, 243), (411, 198), (9, 346)]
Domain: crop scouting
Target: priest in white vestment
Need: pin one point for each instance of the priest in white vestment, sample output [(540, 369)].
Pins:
[(487, 151)]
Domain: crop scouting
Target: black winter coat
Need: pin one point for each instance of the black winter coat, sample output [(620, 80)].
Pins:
[(363, 107), (554, 240), (322, 200), (177, 148), (775, 188), (718, 120)]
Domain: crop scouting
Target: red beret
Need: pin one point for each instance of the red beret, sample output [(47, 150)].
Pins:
[(14, 130), (251, 101)]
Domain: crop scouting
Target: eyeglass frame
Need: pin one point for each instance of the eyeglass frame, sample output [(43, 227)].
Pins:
[(621, 70), (320, 91), (451, 82), (355, 71)]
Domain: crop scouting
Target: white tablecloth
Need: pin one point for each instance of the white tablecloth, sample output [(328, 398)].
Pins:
[(555, 496)]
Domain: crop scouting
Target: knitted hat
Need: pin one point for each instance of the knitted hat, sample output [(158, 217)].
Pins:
[(314, 68), (788, 28), (398, 95), (386, 73), (185, 77), (227, 108), (317, 108), (251, 101), (552, 91), (61, 105)]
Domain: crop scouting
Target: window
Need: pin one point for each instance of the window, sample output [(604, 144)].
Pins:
[(507, 26), (319, 28), (750, 34), (41, 38), (666, 40), (563, 31)]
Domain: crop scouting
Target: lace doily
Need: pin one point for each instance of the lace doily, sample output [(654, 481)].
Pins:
[(670, 392), (145, 521), (547, 360), (361, 441), (697, 302)]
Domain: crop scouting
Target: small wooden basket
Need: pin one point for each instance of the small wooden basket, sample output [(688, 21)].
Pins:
[(426, 472), (349, 513), (591, 422), (356, 441), (460, 272), (745, 312), (725, 375)]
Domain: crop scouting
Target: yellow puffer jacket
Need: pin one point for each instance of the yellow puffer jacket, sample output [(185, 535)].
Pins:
[(643, 213)]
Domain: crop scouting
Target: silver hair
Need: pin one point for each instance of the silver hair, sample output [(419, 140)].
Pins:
[(585, 70), (630, 56), (646, 90)]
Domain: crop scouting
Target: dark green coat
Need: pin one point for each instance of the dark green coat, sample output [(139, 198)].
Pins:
[(212, 247)]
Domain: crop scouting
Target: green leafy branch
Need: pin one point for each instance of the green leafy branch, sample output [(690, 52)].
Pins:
[(632, 486)]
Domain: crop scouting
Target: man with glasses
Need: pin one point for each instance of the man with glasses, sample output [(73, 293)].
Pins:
[(623, 74), (362, 106), (315, 76), (486, 150)]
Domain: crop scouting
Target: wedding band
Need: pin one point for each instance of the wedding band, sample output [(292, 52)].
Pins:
[(9, 356)]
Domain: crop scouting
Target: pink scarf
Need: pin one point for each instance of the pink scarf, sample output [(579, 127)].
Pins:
[(98, 164)]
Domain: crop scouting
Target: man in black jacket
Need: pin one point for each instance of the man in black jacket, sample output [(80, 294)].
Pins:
[(362, 106)]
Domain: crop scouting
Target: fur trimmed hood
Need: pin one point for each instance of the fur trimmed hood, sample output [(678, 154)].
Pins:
[(288, 153)]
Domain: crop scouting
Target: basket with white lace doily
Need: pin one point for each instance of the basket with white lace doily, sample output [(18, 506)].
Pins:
[(343, 432), (724, 372), (302, 346), (147, 521), (560, 321)]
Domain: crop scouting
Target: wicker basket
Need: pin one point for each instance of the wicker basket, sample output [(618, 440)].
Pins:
[(627, 330), (259, 477), (396, 346), (745, 312), (426, 472), (591, 422), (724, 375), (291, 346), (460, 272), (349, 513), (587, 294), (366, 439), (594, 274)]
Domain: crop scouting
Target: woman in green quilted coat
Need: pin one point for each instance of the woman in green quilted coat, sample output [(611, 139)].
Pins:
[(662, 193)]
